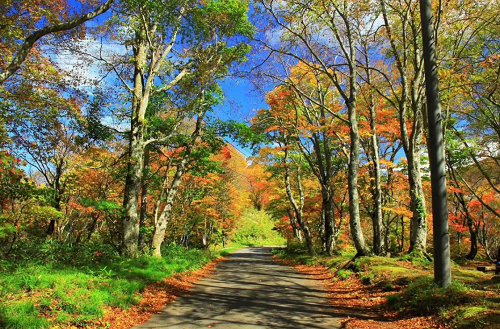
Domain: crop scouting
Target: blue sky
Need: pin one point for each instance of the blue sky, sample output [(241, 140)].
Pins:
[(241, 103)]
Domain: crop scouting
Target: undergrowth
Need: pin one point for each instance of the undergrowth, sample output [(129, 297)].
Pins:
[(424, 297), (73, 286)]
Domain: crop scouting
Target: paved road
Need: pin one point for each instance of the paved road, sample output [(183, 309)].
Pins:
[(250, 290)]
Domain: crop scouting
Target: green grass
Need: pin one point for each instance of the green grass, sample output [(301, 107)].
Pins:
[(255, 228), (474, 317), (35, 294)]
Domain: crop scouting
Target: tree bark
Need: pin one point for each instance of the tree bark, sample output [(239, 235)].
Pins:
[(297, 233), (418, 222), (329, 219), (473, 241), (412, 143), (164, 218), (92, 226)]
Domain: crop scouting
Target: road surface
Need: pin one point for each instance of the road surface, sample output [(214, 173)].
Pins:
[(250, 290)]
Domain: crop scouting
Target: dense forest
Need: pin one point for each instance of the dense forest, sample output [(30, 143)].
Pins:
[(113, 150)]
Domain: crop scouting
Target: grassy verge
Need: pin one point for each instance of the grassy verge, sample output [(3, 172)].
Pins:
[(75, 288), (471, 302)]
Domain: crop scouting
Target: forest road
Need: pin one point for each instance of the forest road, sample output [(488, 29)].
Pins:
[(250, 290)]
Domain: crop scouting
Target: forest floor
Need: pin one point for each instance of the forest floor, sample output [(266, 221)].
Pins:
[(399, 293)]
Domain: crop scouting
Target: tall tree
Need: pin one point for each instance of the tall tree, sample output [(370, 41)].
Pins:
[(442, 264)]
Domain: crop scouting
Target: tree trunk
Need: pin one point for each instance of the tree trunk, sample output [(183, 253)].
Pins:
[(418, 222), (442, 263), (298, 208), (92, 226), (329, 219), (402, 234), (470, 220), (57, 202), (411, 143), (144, 200), (473, 242), (355, 221), (378, 231), (295, 225), (130, 222)]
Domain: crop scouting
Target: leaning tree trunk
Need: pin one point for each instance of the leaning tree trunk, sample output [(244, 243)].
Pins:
[(470, 224), (470, 220), (473, 241), (164, 218), (91, 228), (295, 225), (298, 208)]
